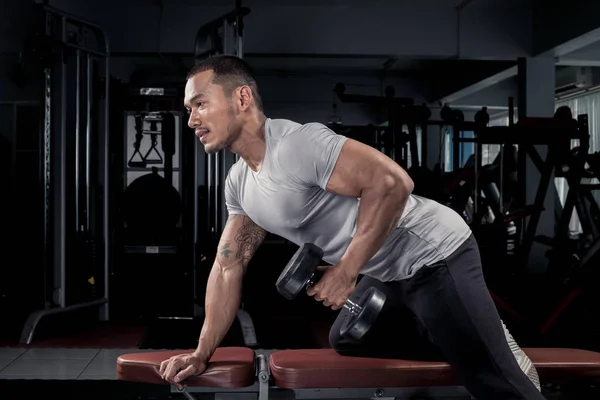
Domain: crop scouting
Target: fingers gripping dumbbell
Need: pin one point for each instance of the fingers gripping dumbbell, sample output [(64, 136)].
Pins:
[(302, 272)]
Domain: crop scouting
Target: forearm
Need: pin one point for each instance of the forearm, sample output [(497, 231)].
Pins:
[(241, 237), (223, 296), (380, 207)]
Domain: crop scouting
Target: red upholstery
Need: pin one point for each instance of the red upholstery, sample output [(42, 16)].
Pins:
[(324, 368), (229, 367)]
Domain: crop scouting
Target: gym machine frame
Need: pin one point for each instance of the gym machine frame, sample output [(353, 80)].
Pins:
[(400, 111), (556, 135), (223, 35), (55, 158)]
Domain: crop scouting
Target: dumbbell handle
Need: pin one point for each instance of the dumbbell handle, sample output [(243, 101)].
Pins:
[(352, 307), (348, 305)]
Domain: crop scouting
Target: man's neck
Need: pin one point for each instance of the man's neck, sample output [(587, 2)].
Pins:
[(251, 143)]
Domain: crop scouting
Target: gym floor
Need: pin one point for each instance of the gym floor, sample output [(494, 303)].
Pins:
[(59, 363)]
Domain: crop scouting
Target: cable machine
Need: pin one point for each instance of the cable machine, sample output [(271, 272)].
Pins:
[(74, 56)]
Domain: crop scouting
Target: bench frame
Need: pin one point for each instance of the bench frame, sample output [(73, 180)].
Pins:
[(264, 390)]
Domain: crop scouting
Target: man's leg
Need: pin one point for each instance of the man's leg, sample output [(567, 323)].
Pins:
[(395, 334), (453, 303)]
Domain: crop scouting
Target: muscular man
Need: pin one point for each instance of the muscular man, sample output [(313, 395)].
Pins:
[(305, 183)]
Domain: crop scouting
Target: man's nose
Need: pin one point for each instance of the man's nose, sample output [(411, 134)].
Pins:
[(193, 121)]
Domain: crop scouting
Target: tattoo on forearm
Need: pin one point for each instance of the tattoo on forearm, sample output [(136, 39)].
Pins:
[(249, 237)]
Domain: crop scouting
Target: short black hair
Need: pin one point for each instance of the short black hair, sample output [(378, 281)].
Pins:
[(230, 72)]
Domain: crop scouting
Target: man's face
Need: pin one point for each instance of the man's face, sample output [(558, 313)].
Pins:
[(211, 112)]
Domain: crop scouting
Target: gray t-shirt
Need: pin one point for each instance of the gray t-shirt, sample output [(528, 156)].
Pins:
[(287, 197)]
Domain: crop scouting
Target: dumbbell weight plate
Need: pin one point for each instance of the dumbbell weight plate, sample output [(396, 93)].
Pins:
[(355, 327), (299, 270)]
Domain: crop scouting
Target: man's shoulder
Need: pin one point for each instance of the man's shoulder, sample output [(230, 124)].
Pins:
[(281, 128)]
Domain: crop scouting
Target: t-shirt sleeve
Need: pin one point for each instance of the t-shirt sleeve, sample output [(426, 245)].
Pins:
[(232, 194), (309, 154)]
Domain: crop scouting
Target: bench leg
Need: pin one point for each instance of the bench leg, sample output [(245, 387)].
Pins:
[(189, 396), (401, 393), (264, 377)]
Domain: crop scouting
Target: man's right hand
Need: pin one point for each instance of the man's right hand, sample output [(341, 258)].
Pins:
[(177, 368)]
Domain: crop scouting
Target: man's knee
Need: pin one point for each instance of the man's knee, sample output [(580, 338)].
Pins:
[(335, 338), (338, 343)]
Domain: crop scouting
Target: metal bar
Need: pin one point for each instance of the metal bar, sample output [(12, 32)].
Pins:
[(59, 290), (222, 177), (85, 50), (522, 135), (88, 137), (244, 392), (412, 392), (511, 111), (589, 255), (48, 181), (476, 183), (189, 396), (239, 29), (226, 31), (456, 149), (104, 313), (34, 318), (71, 17), (263, 374), (216, 193), (501, 178), (240, 45), (209, 183), (77, 137), (574, 181), (13, 139), (380, 393), (535, 157), (195, 220), (534, 218)]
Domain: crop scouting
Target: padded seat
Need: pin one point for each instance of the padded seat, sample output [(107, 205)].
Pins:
[(229, 367), (324, 368)]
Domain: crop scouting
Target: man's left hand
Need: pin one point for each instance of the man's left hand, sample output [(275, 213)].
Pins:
[(334, 287)]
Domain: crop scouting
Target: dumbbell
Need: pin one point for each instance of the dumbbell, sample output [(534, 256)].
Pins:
[(301, 272)]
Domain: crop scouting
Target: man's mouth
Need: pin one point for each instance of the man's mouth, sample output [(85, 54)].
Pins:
[(201, 133)]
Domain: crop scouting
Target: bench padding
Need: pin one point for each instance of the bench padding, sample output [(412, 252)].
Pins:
[(324, 368), (234, 367), (229, 367)]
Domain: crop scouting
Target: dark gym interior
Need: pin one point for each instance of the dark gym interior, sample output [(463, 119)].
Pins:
[(112, 211)]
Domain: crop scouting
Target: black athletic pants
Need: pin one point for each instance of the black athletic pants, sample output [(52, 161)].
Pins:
[(444, 312)]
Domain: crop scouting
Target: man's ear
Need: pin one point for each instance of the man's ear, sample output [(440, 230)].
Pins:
[(246, 97)]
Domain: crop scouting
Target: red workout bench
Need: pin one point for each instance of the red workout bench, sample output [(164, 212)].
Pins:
[(322, 373)]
